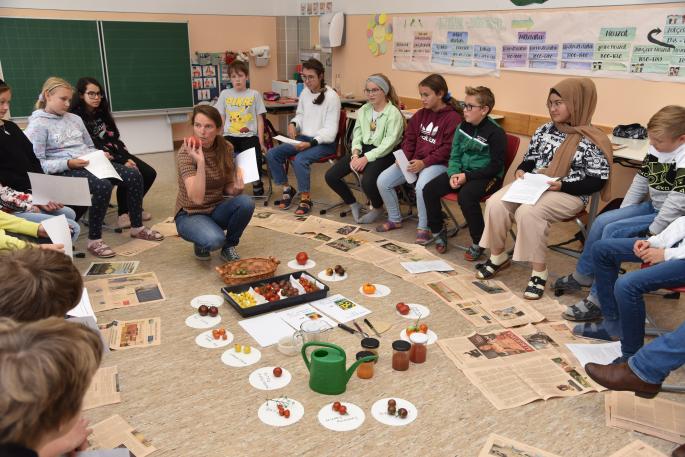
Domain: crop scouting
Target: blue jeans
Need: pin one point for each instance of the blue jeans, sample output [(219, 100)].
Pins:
[(69, 213), (207, 230), (393, 177), (655, 361), (621, 298), (277, 157)]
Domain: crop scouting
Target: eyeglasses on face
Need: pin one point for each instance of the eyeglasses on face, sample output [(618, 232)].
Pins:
[(469, 107), (372, 91), (555, 104), (92, 94), (308, 77)]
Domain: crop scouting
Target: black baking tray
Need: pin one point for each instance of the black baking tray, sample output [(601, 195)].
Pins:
[(274, 305)]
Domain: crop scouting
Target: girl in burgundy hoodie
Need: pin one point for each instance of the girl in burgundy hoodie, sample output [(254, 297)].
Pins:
[(427, 143)]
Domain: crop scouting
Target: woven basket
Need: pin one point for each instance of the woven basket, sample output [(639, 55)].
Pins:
[(257, 267)]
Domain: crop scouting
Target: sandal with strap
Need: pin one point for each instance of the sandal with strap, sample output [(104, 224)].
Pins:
[(567, 284), (388, 225), (488, 269), (535, 289), (304, 207), (474, 253), (286, 200), (575, 314), (148, 235), (101, 250), (423, 237), (441, 241)]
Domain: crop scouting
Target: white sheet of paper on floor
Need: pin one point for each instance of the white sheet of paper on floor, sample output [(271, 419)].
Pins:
[(120, 452), (379, 411), (268, 412), (381, 291), (603, 353), (207, 300), (424, 266), (337, 422), (206, 340), (84, 308), (432, 336), (100, 166), (197, 321), (247, 162), (340, 308), (285, 139), (240, 359), (402, 162), (266, 329), (296, 315), (66, 190), (264, 379), (59, 233)]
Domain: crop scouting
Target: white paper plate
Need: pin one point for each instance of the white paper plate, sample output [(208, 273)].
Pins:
[(333, 420), (240, 359), (264, 379), (416, 311), (335, 278), (206, 340), (432, 336), (296, 266), (379, 411), (268, 412), (381, 291), (197, 321), (208, 300)]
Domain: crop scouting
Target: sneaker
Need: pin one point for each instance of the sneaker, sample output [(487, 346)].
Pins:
[(474, 253), (229, 254), (201, 254)]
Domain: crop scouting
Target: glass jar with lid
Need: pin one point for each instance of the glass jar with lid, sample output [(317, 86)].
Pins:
[(400, 355), (419, 349), (365, 369), (371, 344)]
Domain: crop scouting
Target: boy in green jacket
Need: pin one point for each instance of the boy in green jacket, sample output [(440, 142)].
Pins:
[(476, 167)]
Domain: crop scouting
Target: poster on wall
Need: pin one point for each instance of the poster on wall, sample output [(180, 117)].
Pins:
[(309, 8), (644, 44), (205, 84)]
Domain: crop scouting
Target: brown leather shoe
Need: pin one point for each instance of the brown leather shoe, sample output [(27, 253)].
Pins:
[(620, 377), (679, 451)]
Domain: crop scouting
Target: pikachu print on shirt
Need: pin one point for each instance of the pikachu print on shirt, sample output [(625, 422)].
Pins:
[(238, 116)]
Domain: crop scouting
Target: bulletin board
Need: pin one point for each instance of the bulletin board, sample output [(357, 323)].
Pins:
[(648, 43)]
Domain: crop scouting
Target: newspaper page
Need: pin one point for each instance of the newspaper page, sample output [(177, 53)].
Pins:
[(112, 268), (132, 334), (466, 287), (638, 449), (500, 446), (266, 218), (549, 307), (135, 247), (348, 245), (167, 227), (104, 389), (658, 417), (124, 291), (116, 433), (507, 310), (315, 226), (289, 223)]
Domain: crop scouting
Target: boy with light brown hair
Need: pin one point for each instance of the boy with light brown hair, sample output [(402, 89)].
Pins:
[(47, 367)]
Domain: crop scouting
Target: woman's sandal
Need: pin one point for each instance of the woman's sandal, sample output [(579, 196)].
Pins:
[(441, 241), (575, 314), (148, 235), (535, 289), (388, 225), (286, 200), (101, 250), (304, 207), (488, 269)]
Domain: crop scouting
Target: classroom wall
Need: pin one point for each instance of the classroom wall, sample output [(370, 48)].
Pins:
[(620, 101), (206, 33)]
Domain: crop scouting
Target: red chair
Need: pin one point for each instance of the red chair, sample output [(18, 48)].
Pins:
[(512, 148)]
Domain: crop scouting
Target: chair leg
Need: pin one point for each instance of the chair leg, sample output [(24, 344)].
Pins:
[(673, 388), (453, 231)]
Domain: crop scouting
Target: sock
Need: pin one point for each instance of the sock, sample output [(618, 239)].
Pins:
[(541, 274), (371, 216), (499, 259), (356, 209), (583, 280)]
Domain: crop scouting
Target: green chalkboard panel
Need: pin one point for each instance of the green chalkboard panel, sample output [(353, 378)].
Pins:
[(31, 50), (148, 64)]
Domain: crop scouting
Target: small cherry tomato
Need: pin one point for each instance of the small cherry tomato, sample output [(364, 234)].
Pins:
[(336, 406)]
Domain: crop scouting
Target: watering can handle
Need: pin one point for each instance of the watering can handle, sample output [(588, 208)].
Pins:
[(307, 362)]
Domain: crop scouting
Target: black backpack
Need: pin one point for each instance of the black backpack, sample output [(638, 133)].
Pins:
[(633, 131)]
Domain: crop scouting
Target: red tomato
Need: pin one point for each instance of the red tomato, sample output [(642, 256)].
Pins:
[(336, 406), (302, 258), (286, 413), (342, 410), (278, 372)]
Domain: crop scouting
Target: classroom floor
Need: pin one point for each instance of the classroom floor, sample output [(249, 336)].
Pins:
[(188, 403)]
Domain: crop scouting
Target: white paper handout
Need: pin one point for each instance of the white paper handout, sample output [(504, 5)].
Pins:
[(100, 165), (340, 308), (58, 231), (84, 308), (424, 266), (603, 354), (247, 161), (266, 329), (402, 162), (66, 190), (297, 315), (527, 190), (285, 139)]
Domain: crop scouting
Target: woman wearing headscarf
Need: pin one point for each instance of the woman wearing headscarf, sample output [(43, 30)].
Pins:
[(576, 156)]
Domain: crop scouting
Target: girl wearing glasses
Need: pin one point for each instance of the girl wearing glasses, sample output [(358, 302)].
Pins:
[(377, 131), (90, 103), (576, 156), (427, 142), (315, 126)]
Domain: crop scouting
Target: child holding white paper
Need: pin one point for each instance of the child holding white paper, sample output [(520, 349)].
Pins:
[(11, 225), (242, 110), (16, 161), (59, 138)]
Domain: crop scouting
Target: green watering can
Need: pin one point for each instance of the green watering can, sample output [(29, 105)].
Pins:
[(327, 374)]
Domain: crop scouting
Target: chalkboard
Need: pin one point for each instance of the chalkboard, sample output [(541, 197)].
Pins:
[(31, 50), (148, 65)]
